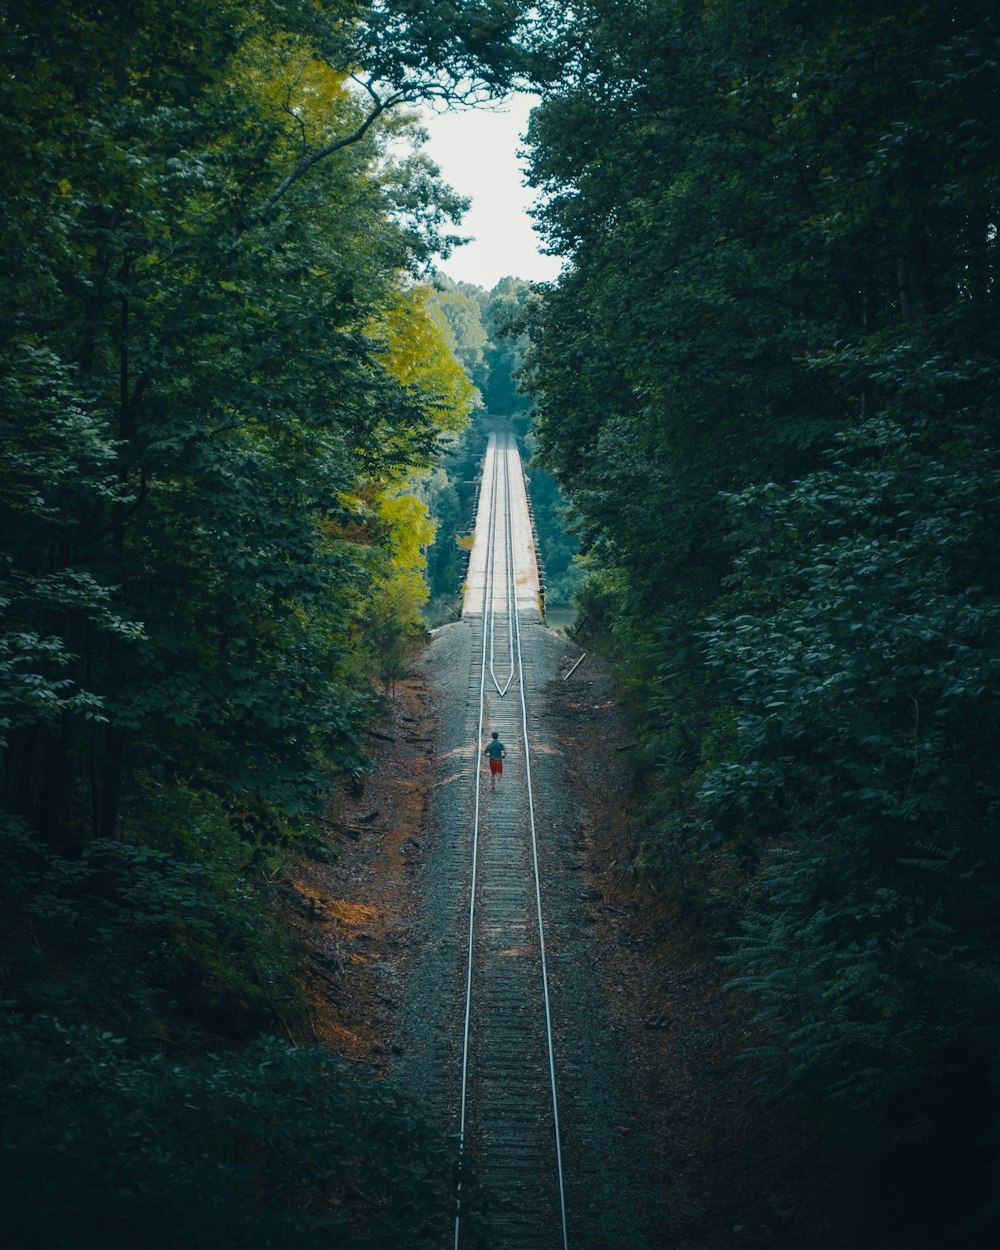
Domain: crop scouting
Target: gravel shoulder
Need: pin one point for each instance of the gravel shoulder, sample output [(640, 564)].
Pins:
[(669, 1141)]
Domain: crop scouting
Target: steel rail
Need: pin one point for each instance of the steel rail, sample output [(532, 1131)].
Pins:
[(467, 1025), (517, 666), (550, 1043), (575, 667), (508, 555)]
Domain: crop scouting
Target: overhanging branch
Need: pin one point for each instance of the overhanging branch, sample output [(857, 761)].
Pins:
[(407, 94), (328, 149)]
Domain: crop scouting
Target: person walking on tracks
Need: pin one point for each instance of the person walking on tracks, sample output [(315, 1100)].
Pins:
[(497, 753)]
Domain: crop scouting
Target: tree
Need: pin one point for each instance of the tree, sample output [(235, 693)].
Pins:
[(215, 311), (767, 381), (210, 231), (458, 314)]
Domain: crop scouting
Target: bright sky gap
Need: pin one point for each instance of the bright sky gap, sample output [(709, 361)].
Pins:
[(477, 152)]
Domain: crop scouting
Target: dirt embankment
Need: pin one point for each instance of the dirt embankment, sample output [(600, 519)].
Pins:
[(736, 1170), (354, 912), (730, 1170)]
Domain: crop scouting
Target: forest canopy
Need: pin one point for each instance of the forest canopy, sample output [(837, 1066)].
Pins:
[(768, 382), (219, 377)]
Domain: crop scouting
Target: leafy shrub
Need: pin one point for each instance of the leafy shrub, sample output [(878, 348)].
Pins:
[(863, 765), (272, 1146), (142, 934)]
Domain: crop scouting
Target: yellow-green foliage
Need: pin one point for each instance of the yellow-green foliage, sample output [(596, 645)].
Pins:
[(418, 355), (411, 532)]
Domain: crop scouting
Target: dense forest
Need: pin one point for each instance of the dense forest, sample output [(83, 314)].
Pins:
[(235, 410), (221, 379), (769, 383)]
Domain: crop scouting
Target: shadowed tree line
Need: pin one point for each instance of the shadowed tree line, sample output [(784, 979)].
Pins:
[(219, 380), (768, 382)]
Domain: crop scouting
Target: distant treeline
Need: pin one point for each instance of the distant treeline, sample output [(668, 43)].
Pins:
[(769, 383), (486, 331)]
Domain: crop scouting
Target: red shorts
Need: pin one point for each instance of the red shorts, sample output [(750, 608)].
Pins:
[(496, 767)]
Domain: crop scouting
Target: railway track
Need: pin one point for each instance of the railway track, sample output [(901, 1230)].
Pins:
[(504, 1036), (508, 1101)]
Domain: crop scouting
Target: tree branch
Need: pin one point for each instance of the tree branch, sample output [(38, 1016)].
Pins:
[(406, 94), (328, 149)]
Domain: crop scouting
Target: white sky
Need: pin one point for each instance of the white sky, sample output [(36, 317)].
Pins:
[(476, 150)]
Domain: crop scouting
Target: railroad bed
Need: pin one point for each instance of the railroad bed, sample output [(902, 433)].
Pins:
[(503, 1032)]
